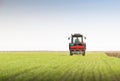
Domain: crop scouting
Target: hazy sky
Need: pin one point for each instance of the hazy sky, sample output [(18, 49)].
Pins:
[(46, 24)]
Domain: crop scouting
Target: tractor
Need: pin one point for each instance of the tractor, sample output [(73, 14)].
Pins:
[(77, 44)]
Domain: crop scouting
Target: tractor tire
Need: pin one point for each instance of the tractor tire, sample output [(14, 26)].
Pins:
[(71, 53), (85, 46), (83, 54)]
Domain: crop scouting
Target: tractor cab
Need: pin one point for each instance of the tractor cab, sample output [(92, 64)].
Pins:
[(77, 44)]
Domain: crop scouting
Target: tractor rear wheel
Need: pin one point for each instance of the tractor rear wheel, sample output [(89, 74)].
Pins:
[(83, 53), (71, 53)]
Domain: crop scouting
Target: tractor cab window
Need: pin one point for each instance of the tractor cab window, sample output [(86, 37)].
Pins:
[(77, 39)]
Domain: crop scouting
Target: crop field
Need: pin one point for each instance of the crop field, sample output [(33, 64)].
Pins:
[(113, 54), (58, 66)]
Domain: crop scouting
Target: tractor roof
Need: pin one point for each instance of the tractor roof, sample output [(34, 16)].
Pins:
[(77, 35)]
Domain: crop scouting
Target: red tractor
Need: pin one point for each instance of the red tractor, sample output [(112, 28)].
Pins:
[(77, 45)]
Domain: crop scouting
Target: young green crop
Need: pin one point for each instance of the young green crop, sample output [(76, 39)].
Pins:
[(58, 66)]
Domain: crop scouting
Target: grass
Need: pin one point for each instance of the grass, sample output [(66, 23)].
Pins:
[(58, 66)]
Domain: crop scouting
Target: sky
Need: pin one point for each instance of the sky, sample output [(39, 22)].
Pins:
[(46, 24)]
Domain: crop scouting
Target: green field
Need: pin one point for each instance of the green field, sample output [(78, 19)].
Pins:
[(58, 66)]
